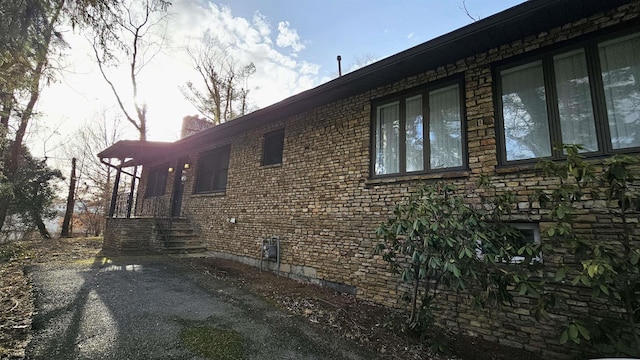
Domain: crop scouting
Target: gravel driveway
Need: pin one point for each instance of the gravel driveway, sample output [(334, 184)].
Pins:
[(136, 308)]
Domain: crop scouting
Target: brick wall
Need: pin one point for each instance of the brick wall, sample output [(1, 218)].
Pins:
[(324, 207)]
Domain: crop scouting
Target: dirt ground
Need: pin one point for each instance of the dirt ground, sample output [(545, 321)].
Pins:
[(373, 326)]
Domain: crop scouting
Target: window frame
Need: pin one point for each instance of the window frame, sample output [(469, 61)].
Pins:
[(268, 145), (217, 164), (589, 44), (400, 98), (157, 178)]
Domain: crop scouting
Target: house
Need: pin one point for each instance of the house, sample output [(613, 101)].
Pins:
[(322, 169)]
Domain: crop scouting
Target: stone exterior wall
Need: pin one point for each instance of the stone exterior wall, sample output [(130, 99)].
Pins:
[(324, 206), (123, 236)]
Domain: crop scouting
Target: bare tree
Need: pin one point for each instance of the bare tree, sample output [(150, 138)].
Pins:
[(464, 8), (226, 91), (94, 179), (139, 37)]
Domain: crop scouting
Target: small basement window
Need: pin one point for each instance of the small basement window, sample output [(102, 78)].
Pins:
[(273, 147), (530, 235)]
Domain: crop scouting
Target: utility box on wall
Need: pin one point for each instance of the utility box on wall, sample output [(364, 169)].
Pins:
[(270, 250)]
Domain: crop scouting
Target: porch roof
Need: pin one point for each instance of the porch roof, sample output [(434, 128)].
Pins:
[(136, 151)]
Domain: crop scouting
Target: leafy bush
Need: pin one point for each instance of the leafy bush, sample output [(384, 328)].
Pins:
[(434, 239), (608, 265)]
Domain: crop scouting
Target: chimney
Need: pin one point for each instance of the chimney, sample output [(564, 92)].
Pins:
[(192, 125)]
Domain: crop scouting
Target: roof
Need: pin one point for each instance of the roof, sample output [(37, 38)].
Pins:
[(526, 19), (139, 150)]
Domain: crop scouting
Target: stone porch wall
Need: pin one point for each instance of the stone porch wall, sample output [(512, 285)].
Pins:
[(324, 207), (128, 236)]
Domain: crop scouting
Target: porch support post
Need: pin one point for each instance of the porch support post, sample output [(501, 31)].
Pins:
[(114, 194), (131, 190)]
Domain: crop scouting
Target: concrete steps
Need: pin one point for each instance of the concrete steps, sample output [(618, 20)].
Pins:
[(178, 237)]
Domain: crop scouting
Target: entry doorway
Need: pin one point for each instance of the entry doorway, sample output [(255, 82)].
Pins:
[(178, 187)]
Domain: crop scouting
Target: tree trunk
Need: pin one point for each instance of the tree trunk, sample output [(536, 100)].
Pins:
[(4, 209), (66, 223), (42, 229)]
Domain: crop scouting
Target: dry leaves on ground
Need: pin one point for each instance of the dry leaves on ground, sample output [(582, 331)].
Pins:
[(16, 309), (379, 328), (16, 296)]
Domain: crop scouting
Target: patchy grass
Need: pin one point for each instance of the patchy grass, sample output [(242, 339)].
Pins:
[(213, 343), (10, 250)]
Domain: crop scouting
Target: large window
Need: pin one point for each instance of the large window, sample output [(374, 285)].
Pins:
[(587, 95), (420, 132), (156, 181), (212, 170)]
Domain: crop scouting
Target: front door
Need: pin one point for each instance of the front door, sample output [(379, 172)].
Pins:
[(178, 188)]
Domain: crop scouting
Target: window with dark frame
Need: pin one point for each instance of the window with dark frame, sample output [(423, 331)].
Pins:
[(212, 170), (420, 132), (586, 95), (273, 147), (156, 181)]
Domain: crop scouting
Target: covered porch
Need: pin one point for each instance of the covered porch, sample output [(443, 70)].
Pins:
[(144, 217)]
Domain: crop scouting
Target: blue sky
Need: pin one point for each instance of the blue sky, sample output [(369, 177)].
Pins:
[(375, 28), (293, 44)]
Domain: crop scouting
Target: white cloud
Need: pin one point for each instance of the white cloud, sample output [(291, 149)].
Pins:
[(288, 37), (262, 25), (279, 73), (308, 68)]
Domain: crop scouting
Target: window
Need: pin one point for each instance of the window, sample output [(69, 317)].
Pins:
[(400, 125), (530, 235), (212, 171), (156, 181), (273, 146), (589, 95)]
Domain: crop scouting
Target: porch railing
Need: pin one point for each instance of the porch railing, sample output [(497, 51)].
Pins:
[(158, 208), (121, 205)]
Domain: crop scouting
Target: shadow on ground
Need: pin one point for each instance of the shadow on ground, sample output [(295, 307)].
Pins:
[(148, 308)]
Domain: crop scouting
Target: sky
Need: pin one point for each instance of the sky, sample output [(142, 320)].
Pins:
[(292, 43)]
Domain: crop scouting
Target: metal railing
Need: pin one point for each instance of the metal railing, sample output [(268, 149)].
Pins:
[(158, 208), (155, 207), (122, 205)]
